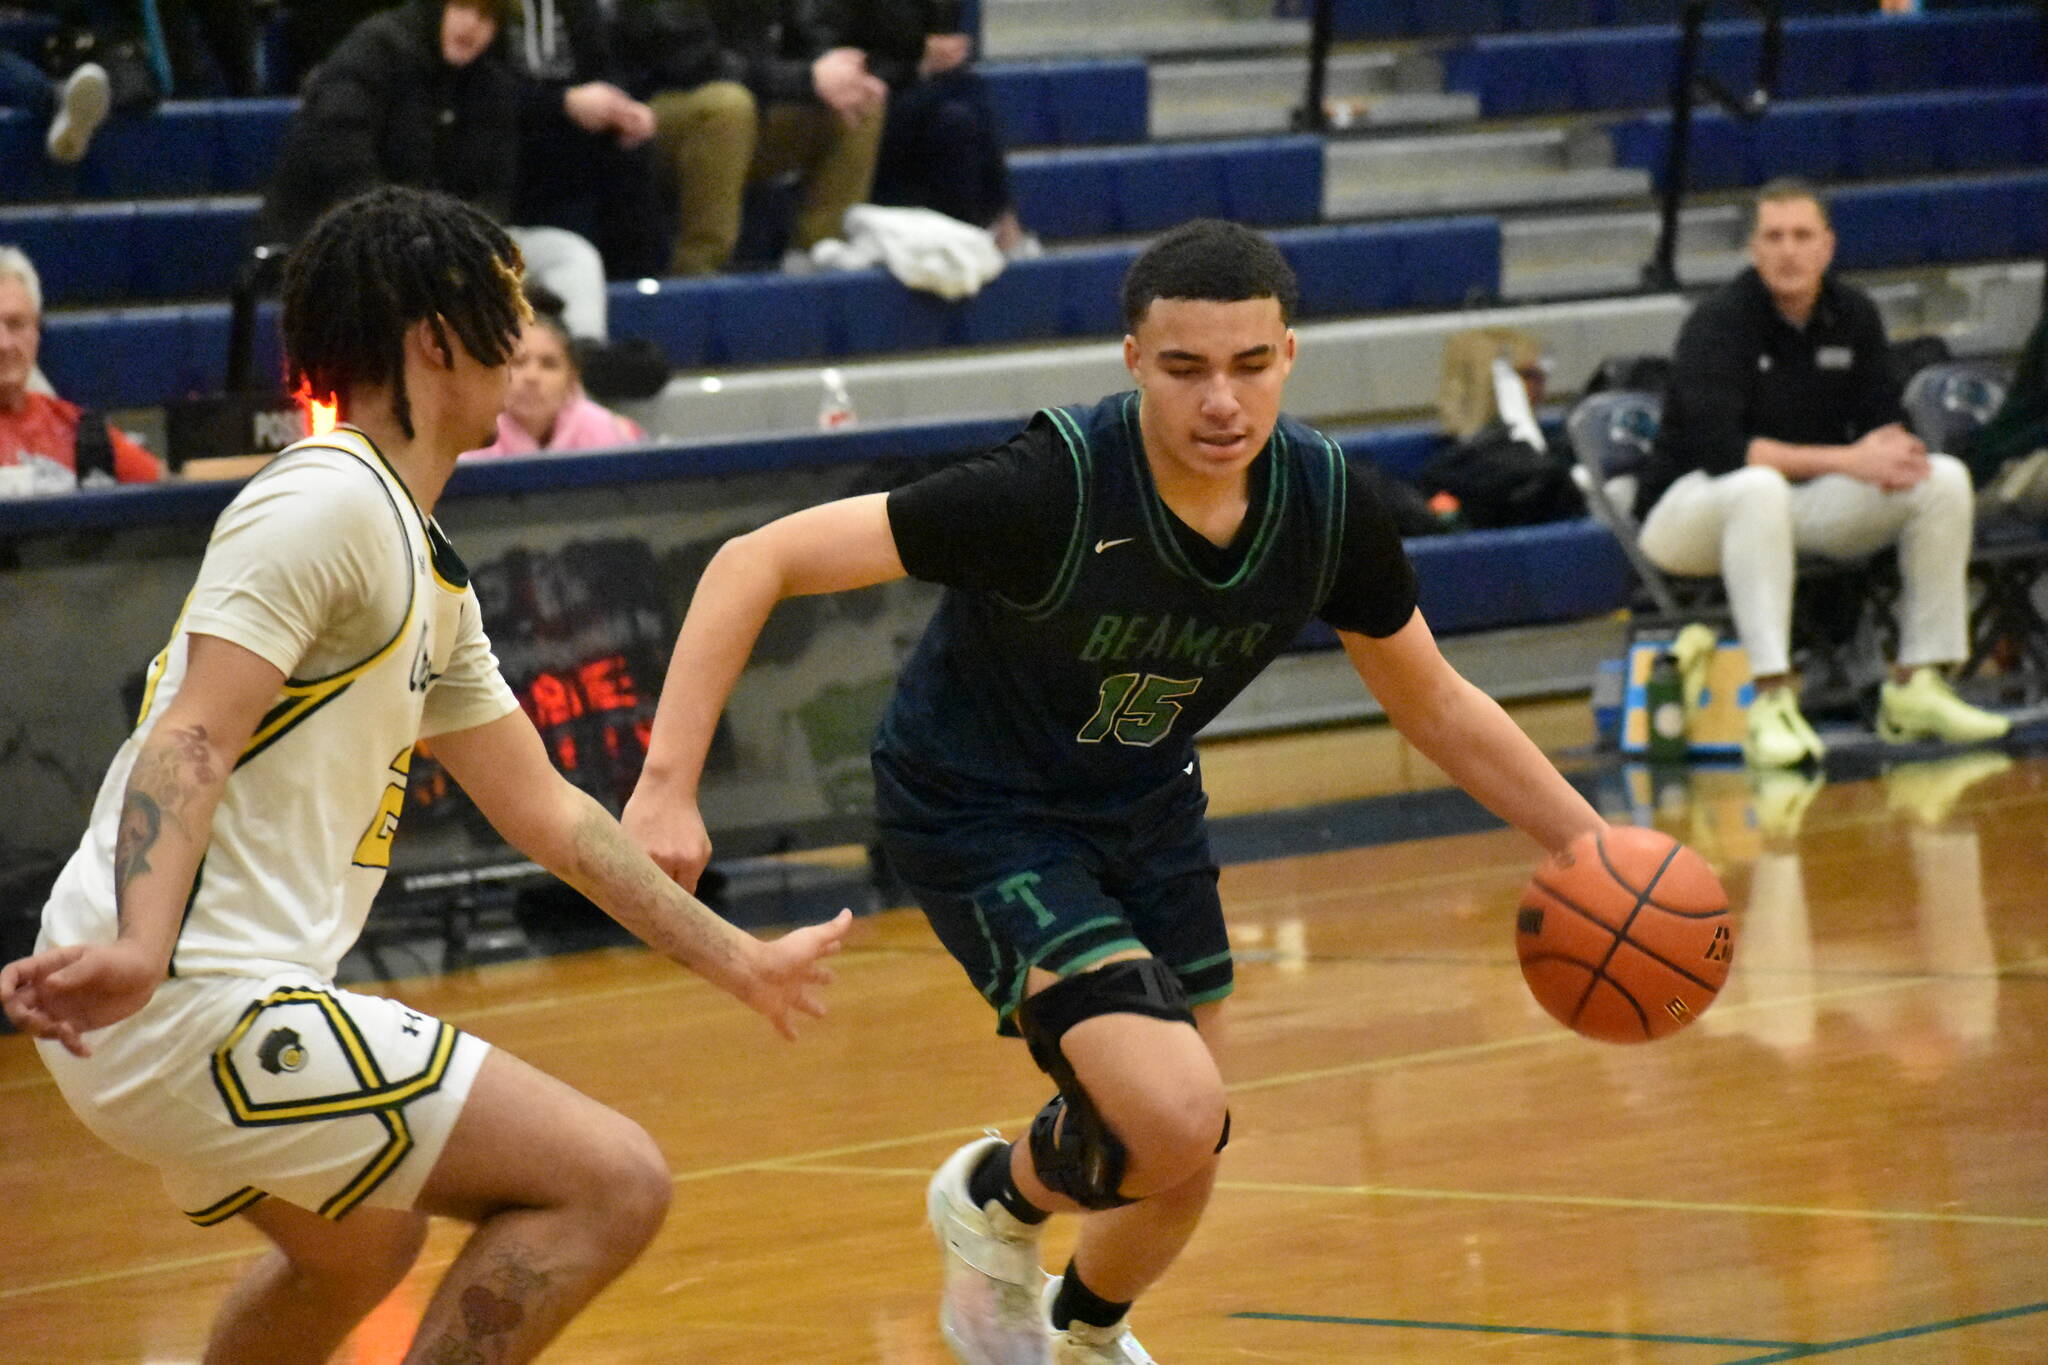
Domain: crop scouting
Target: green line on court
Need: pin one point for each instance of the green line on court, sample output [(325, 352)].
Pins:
[(1901, 1334), (1663, 1338)]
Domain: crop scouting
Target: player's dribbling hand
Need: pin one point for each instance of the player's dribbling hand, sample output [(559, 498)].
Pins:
[(789, 972), (65, 993), (670, 831)]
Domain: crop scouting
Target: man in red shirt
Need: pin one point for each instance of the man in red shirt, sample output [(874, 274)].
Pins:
[(40, 448)]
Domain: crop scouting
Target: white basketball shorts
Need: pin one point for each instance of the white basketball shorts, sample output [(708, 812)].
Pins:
[(240, 1087)]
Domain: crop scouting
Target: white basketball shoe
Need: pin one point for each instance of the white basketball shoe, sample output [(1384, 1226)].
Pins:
[(989, 1309)]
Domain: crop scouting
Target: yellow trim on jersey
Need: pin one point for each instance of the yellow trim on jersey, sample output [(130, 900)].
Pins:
[(161, 663), (377, 1093), (426, 522), (301, 699), (381, 1165), (227, 1208)]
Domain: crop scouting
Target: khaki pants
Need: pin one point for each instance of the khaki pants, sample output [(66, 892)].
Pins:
[(718, 142)]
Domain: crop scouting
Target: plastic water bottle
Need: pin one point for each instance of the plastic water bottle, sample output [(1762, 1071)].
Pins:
[(835, 408), (1664, 700)]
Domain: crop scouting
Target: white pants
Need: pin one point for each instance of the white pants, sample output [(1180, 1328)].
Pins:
[(1749, 525), (570, 266)]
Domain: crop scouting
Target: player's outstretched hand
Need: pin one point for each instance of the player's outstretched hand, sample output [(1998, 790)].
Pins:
[(790, 972), (671, 831), (65, 993)]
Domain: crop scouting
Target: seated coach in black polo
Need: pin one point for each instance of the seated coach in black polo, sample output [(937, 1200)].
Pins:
[(1782, 434)]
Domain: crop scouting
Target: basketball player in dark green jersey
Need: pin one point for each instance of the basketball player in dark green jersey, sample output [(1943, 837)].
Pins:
[(1115, 575)]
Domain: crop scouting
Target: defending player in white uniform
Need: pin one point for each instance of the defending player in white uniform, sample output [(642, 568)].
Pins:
[(182, 989)]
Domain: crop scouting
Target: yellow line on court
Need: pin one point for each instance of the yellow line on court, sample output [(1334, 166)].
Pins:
[(1595, 1201), (1494, 1197), (22, 1291), (821, 1159)]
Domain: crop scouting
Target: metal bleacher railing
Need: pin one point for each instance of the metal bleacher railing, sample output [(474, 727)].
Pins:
[(1687, 82)]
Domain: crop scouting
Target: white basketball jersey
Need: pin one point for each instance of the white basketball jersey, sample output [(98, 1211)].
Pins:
[(326, 567)]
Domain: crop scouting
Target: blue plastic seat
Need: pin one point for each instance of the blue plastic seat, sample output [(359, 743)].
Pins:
[(871, 311), (1801, 140), (186, 248), (1021, 304), (1893, 137), (82, 252), (1157, 187), (1626, 69), (676, 314), (1099, 102), (1980, 220), (1273, 182), (1884, 226)]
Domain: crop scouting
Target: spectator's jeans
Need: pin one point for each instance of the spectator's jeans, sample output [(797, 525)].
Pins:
[(24, 86), (570, 266), (1749, 525), (942, 149), (718, 141)]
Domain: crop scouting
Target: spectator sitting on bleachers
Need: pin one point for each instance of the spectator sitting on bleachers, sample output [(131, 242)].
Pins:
[(46, 444), (75, 107), (942, 146), (586, 160), (545, 406), (744, 91), (1782, 432), (423, 96)]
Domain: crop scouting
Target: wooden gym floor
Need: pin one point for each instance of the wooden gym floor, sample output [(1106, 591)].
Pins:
[(1847, 1158)]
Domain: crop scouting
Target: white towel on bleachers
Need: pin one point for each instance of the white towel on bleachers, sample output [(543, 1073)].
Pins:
[(924, 249)]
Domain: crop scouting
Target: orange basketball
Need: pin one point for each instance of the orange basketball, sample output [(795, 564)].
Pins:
[(1624, 936)]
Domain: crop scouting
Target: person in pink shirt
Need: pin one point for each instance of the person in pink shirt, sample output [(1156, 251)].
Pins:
[(545, 406)]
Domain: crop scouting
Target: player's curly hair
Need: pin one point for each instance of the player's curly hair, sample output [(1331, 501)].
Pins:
[(377, 264), (1212, 260)]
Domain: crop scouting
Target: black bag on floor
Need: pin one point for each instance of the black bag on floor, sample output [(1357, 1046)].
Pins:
[(1501, 481)]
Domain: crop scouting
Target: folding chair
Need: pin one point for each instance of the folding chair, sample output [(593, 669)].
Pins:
[(1945, 403), (1837, 604)]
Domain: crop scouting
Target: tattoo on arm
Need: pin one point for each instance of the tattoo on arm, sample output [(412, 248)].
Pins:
[(628, 884), (141, 822), (173, 766)]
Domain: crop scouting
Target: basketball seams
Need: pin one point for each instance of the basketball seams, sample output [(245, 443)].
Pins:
[(1620, 933), (1567, 903), (1647, 896)]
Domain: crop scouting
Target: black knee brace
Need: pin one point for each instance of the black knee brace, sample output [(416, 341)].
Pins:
[(1072, 1147)]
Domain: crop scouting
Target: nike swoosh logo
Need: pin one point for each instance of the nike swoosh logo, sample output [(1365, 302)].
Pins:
[(1102, 545)]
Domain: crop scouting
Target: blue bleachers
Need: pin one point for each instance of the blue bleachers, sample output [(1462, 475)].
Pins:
[(202, 147), (1101, 193), (1070, 104), (1430, 18), (94, 252), (190, 147), (132, 357), (1852, 139), (1862, 54)]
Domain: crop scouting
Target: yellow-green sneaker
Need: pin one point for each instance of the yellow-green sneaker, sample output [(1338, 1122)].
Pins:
[(1693, 648), (1779, 797), (1779, 736), (1926, 707), (1929, 790)]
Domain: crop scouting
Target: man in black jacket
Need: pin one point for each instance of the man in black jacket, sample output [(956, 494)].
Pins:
[(942, 143), (1782, 433), (744, 91), (424, 96), (586, 159)]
